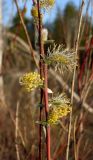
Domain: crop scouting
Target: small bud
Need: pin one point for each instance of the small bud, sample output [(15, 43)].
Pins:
[(44, 34)]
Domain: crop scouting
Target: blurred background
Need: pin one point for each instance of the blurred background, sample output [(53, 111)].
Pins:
[(20, 109)]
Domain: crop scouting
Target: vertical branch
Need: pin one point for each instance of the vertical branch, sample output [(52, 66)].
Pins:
[(26, 33), (43, 73), (19, 132), (1, 40), (46, 111), (41, 52), (16, 131), (40, 126), (73, 81), (2, 96)]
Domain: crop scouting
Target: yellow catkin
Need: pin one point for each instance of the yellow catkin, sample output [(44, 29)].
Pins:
[(58, 112), (25, 10), (47, 3), (34, 12), (30, 81), (51, 2)]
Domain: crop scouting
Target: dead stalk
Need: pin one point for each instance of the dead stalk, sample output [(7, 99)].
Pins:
[(73, 81), (75, 147), (16, 131)]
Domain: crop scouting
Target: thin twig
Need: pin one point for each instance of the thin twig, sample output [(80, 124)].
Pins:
[(16, 131), (26, 32), (86, 16), (75, 147), (73, 81), (19, 132)]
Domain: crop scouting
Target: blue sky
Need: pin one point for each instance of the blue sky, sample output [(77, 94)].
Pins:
[(9, 9)]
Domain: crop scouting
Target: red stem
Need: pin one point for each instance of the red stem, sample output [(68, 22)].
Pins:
[(81, 74), (60, 151), (46, 111), (41, 52), (40, 128), (43, 73)]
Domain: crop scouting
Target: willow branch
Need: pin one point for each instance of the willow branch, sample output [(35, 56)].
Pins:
[(26, 32), (45, 75), (73, 81)]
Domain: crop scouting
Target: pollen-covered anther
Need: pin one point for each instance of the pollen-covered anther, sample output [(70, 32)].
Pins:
[(60, 107), (57, 113), (31, 81)]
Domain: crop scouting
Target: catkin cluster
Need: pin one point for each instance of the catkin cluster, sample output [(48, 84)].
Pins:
[(44, 4), (58, 112), (60, 58), (60, 107), (31, 81)]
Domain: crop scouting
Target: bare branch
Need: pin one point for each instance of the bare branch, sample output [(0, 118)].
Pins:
[(16, 131), (26, 32)]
